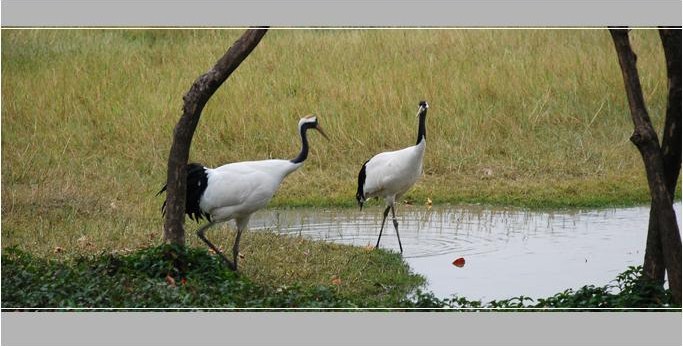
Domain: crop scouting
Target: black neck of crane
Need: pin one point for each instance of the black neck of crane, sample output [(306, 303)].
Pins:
[(304, 144), (421, 130)]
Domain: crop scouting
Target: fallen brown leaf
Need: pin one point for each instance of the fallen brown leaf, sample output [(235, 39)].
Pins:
[(459, 262), (336, 280)]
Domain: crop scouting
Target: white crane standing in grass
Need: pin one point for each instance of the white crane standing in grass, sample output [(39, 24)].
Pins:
[(237, 190), (390, 174)]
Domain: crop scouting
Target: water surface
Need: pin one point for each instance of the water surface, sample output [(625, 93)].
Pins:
[(508, 252)]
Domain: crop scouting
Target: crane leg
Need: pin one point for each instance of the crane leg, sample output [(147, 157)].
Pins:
[(236, 247), (241, 225), (393, 216), (200, 234), (386, 212)]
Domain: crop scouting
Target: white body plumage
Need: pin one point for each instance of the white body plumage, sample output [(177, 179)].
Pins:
[(236, 190), (391, 174)]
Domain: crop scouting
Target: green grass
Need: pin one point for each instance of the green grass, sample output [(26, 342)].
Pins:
[(364, 276), (152, 278), (532, 118)]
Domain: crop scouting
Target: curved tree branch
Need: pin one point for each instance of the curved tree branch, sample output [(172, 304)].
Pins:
[(194, 101)]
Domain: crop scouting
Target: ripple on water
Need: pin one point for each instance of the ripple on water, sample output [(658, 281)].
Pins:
[(423, 232)]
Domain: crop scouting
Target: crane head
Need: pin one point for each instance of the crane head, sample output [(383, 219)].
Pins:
[(422, 107), (311, 122)]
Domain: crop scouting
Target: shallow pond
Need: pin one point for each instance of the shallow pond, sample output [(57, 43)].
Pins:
[(508, 252)]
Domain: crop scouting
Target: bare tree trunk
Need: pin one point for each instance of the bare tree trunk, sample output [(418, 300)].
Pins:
[(653, 264), (194, 101), (645, 139)]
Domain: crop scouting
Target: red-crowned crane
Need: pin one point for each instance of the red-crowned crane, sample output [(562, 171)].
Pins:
[(237, 190), (390, 174)]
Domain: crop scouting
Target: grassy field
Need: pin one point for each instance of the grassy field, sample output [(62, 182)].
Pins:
[(534, 118)]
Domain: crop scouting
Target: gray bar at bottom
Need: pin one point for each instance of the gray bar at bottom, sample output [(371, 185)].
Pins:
[(341, 328)]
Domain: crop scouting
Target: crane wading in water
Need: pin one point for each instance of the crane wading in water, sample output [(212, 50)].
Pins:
[(236, 190), (390, 174)]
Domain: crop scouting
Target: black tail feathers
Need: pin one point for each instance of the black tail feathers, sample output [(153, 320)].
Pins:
[(197, 181), (360, 195)]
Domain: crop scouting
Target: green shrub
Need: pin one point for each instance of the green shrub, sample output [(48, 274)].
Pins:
[(148, 278)]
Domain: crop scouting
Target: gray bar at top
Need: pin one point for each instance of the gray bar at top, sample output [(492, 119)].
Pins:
[(335, 13)]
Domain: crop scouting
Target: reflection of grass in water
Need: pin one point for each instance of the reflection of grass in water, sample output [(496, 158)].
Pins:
[(524, 117)]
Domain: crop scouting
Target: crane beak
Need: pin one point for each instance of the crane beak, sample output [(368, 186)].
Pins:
[(320, 129), (420, 109)]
